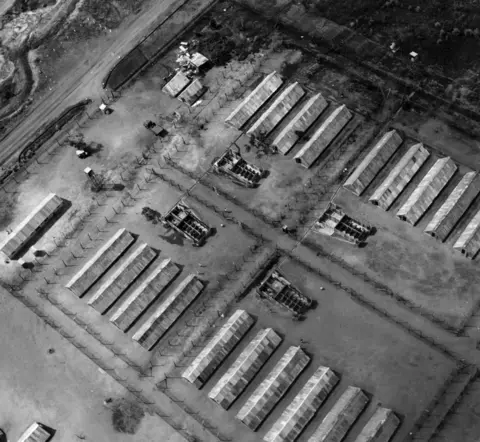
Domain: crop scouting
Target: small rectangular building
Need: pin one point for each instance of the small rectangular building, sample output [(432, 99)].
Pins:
[(400, 176), (185, 221), (254, 101), (122, 278), (138, 301), (35, 433), (234, 166), (336, 223), (219, 347), (275, 113), (303, 407), (168, 312), (31, 225), (454, 207), (192, 92), (341, 417), (428, 189), (323, 136), (468, 243), (96, 266), (279, 289), (177, 84), (271, 390), (375, 160), (305, 117), (245, 368), (380, 427)]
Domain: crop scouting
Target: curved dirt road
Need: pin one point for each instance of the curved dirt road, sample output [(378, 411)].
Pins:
[(86, 82)]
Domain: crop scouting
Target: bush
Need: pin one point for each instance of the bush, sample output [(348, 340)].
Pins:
[(127, 416)]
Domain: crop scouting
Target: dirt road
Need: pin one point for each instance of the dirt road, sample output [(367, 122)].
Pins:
[(87, 80)]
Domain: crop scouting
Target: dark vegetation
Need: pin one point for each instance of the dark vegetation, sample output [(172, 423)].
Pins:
[(127, 416), (231, 34), (445, 34)]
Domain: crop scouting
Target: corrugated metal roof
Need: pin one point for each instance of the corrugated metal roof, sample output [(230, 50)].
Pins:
[(305, 117), (124, 275), (323, 136), (428, 189), (272, 389), (192, 92), (341, 417), (277, 110), (303, 407), (380, 427), (245, 368), (454, 207), (400, 176), (156, 325), (31, 224), (469, 241), (100, 262), (250, 105), (375, 160), (136, 302), (176, 85), (219, 347)]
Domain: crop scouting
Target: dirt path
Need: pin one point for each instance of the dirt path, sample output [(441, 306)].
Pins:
[(461, 347), (87, 81)]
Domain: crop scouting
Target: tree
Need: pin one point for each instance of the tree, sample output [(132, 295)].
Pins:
[(127, 416)]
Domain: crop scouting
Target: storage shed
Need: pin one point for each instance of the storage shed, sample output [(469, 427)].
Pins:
[(250, 105), (275, 113), (219, 347), (305, 117), (137, 301), (454, 207), (323, 136), (168, 312), (380, 427), (126, 273), (468, 243), (245, 368), (400, 176), (341, 417), (271, 390), (303, 407), (96, 266), (428, 189), (31, 225), (177, 84), (35, 433), (374, 161), (192, 92)]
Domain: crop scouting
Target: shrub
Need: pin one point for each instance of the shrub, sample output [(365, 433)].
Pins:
[(127, 416)]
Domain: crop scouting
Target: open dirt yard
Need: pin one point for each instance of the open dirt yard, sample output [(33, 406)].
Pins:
[(63, 390), (429, 274), (463, 423), (392, 365), (426, 272), (395, 368), (201, 135)]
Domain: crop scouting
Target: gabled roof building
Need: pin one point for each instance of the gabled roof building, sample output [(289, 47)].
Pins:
[(428, 189), (399, 177), (272, 389), (375, 160), (219, 347)]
